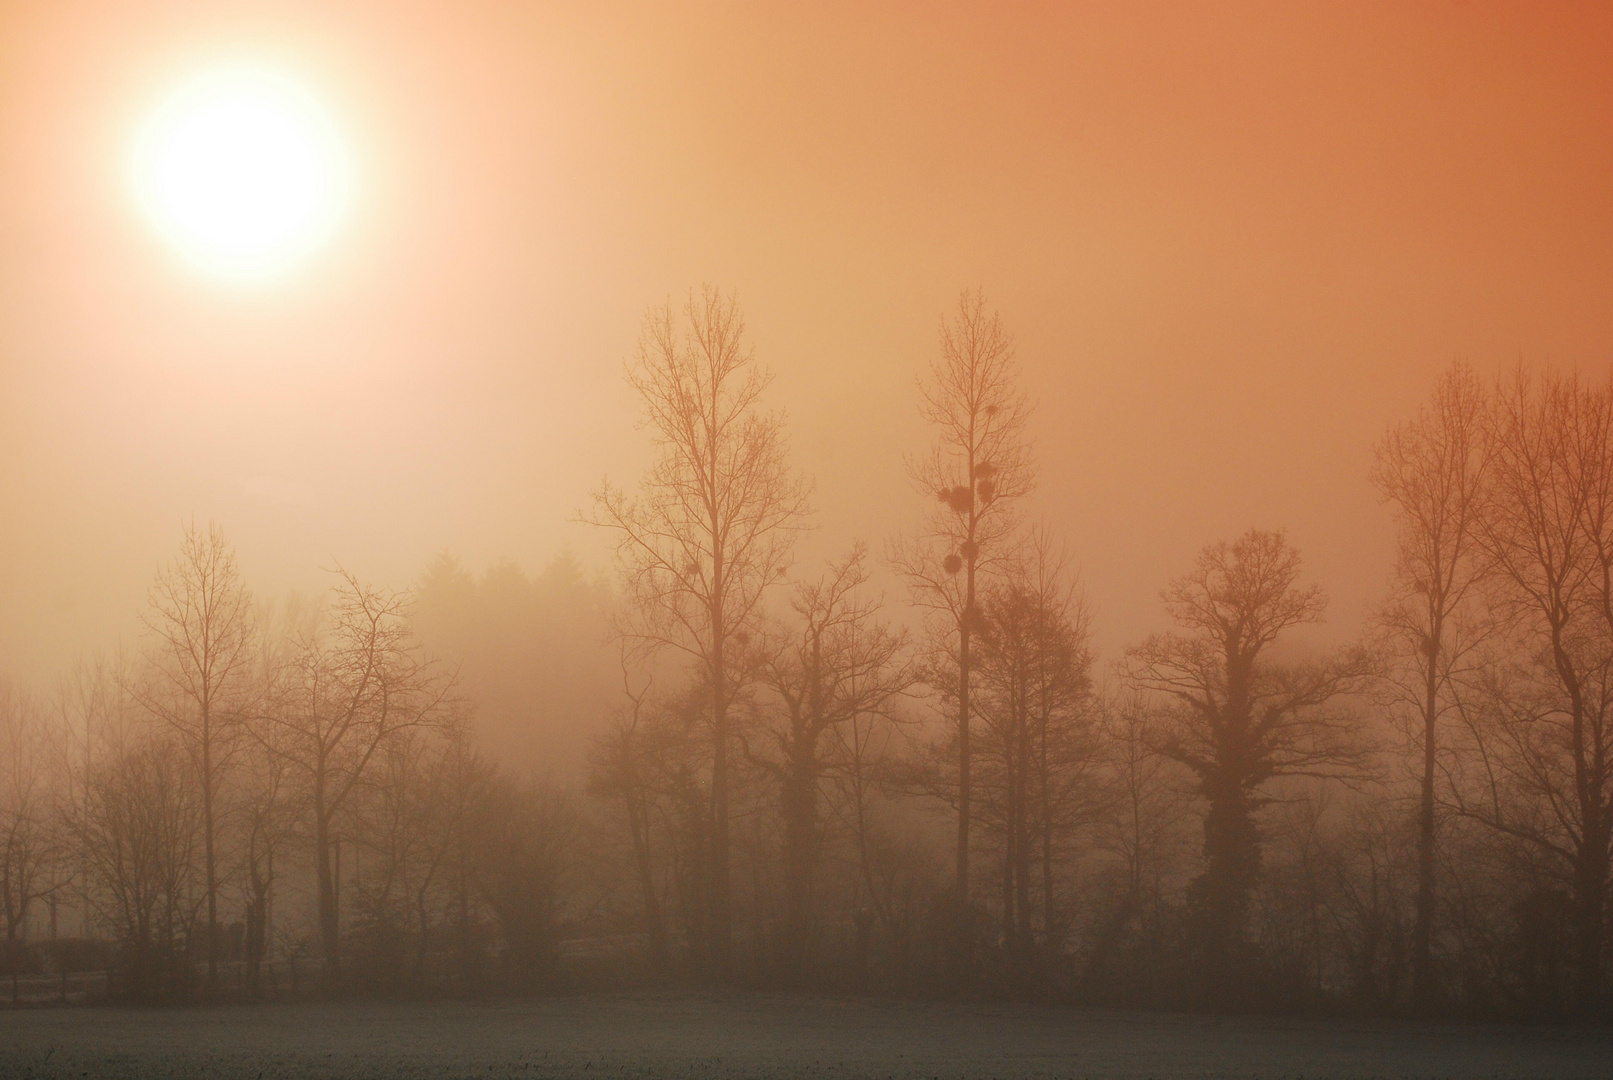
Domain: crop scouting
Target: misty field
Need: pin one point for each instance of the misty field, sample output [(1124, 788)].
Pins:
[(761, 1035)]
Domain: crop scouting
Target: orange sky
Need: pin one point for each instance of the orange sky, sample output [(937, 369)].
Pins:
[(1234, 241)]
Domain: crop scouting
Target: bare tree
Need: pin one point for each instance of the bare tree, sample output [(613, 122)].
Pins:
[(711, 528), (269, 804), (30, 841), (618, 769), (859, 753), (345, 691), (94, 715), (1238, 720), (979, 466), (837, 665), (462, 779), (401, 818), (139, 825), (201, 619), (1143, 830), (652, 760), (1545, 769), (1433, 470), (1041, 746)]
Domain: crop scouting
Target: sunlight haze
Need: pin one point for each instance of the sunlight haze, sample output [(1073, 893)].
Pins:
[(907, 538), (1233, 243), (243, 171)]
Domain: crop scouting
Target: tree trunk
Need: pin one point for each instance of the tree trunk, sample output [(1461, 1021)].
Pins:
[(329, 926), (1008, 883), (423, 917), (721, 913), (1590, 901), (654, 924), (1232, 847), (207, 848), (961, 930), (1422, 974), (1022, 839), (800, 853), (1048, 931)]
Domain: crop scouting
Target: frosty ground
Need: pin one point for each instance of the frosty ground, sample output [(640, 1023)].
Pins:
[(760, 1035)]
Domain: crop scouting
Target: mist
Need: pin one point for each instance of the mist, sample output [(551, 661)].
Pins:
[(793, 500)]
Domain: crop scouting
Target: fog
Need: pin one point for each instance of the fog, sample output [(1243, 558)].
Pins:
[(1233, 244), (610, 513)]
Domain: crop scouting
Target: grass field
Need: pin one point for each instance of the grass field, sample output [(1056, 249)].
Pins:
[(760, 1035)]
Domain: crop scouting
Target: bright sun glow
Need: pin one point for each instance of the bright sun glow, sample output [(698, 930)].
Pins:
[(243, 171)]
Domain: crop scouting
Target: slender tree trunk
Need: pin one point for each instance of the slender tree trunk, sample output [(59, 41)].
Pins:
[(721, 914), (268, 907), (1022, 835), (864, 862), (800, 852), (425, 926), (962, 943), (255, 938), (469, 958), (207, 848), (1048, 932), (329, 926), (1008, 875), (654, 924), (1422, 975)]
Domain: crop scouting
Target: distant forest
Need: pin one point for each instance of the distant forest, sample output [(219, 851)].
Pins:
[(755, 772)]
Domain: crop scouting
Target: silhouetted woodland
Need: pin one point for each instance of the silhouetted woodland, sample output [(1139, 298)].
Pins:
[(751, 771)]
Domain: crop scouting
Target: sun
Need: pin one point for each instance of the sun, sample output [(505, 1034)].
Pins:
[(243, 171)]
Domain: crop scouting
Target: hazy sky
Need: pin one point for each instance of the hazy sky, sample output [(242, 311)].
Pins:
[(1233, 241)]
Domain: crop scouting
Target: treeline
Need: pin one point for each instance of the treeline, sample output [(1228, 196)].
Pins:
[(803, 785), (171, 805)]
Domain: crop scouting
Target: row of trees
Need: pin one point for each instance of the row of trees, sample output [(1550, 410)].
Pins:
[(1500, 642), (802, 788), (1488, 668), (237, 757)]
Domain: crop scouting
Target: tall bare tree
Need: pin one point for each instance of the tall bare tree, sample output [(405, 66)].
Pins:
[(1547, 765), (198, 679), (1238, 720), (977, 469), (345, 690), (710, 529), (1432, 468)]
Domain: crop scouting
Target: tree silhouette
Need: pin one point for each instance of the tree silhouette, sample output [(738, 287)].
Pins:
[(710, 530), (976, 470), (1040, 735), (1433, 470), (1545, 777), (836, 666), (348, 687), (1238, 720), (199, 679)]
